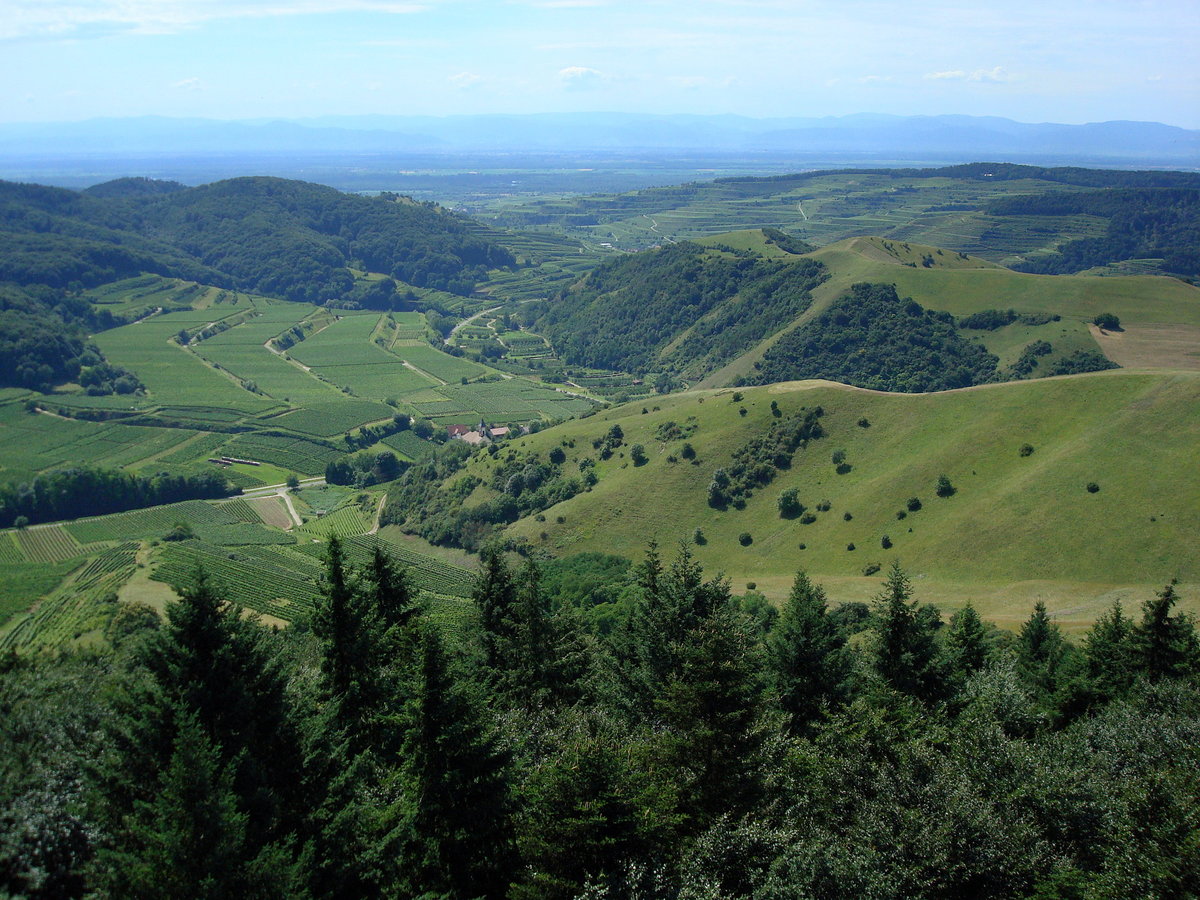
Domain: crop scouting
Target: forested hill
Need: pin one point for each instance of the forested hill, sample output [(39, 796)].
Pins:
[(682, 310), (873, 338), (284, 238)]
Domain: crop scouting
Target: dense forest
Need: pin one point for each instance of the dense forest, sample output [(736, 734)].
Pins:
[(873, 338), (75, 493), (43, 342), (1150, 223), (283, 238), (680, 309), (701, 746)]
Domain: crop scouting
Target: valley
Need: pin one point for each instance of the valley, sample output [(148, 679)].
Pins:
[(247, 370)]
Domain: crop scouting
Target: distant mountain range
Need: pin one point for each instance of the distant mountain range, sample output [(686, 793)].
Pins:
[(856, 136)]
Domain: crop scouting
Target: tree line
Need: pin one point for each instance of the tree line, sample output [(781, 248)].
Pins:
[(703, 747), (79, 492)]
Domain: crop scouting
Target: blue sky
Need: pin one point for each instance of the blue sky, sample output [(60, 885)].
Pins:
[(236, 59)]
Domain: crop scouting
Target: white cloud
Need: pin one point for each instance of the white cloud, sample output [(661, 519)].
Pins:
[(39, 18), (465, 80), (994, 75), (187, 84), (581, 78)]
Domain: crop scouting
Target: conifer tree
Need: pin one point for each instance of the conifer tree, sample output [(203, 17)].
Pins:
[(495, 595), (209, 664), (351, 641), (966, 643), (453, 826), (1165, 645), (806, 652), (190, 839), (1040, 650), (546, 659), (1108, 652), (905, 649), (392, 595)]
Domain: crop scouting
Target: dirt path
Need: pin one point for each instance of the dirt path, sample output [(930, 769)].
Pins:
[(287, 501), (454, 330), (378, 514)]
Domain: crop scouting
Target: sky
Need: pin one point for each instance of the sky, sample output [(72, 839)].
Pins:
[(1067, 61)]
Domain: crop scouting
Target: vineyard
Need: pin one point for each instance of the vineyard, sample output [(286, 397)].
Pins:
[(148, 523), (84, 603), (333, 418), (438, 364), (47, 544), (253, 577), (294, 454), (408, 444), (347, 521)]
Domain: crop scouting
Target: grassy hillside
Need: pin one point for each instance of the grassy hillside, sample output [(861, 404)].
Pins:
[(1018, 528), (1160, 315)]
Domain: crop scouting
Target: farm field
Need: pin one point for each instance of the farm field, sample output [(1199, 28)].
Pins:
[(58, 582), (821, 208)]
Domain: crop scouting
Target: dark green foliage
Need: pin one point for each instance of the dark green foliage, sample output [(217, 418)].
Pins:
[(807, 660), (452, 828), (1143, 223), (284, 238), (1165, 645), (74, 493), (745, 539), (1028, 360), (966, 646), (531, 656), (726, 305), (789, 504), (913, 504), (1025, 450), (1041, 650), (1107, 321), (190, 839), (988, 319), (944, 487), (1092, 487), (905, 652), (1108, 651), (1081, 361), (207, 741), (637, 454), (873, 338), (43, 342), (756, 462)]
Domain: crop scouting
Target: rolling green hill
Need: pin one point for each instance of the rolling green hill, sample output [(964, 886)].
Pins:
[(1018, 528), (1160, 315)]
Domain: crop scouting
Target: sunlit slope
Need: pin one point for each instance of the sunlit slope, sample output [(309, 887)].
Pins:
[(1014, 519), (1160, 315)]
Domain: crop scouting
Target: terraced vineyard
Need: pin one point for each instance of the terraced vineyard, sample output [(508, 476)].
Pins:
[(52, 544), (330, 418), (83, 604), (293, 454), (347, 521), (148, 523), (253, 577)]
